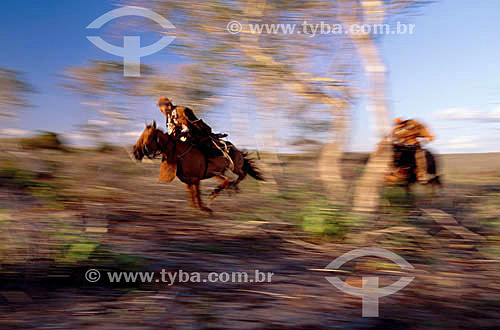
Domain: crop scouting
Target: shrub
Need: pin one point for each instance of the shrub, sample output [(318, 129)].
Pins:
[(45, 140)]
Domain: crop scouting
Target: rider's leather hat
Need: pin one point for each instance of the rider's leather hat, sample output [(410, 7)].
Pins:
[(163, 100), (397, 121)]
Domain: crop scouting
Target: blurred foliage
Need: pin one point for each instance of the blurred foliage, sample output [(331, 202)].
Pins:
[(103, 78), (40, 185), (44, 140), (397, 200), (312, 212), (105, 147), (108, 94), (12, 175), (14, 91), (320, 218), (70, 243)]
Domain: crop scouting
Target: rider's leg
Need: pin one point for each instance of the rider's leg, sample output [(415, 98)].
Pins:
[(421, 162), (394, 172)]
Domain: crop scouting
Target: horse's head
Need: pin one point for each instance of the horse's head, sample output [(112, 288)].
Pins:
[(147, 144)]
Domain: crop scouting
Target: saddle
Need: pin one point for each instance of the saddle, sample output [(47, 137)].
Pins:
[(219, 135)]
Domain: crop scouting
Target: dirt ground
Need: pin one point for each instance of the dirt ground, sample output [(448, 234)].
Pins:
[(63, 213)]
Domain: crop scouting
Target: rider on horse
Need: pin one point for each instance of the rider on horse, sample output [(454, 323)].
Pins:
[(412, 134), (183, 124)]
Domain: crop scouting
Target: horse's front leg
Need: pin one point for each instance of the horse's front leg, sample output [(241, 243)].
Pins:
[(198, 198), (192, 195)]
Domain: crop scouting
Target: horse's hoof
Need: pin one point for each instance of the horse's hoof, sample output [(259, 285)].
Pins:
[(208, 210), (212, 197)]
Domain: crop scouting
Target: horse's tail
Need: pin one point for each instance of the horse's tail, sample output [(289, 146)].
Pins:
[(250, 168)]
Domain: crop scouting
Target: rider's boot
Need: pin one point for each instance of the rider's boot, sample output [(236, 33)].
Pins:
[(397, 175)]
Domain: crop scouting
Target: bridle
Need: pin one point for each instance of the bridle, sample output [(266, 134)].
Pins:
[(152, 154)]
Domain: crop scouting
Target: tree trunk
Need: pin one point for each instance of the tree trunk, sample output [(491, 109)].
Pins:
[(367, 192), (330, 160)]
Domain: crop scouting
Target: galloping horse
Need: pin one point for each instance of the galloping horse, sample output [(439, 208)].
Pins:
[(190, 165), (404, 159)]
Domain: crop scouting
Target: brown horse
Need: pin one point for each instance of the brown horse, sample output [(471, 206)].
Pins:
[(190, 165)]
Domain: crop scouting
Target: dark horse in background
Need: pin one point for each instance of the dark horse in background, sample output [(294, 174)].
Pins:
[(404, 159), (190, 165)]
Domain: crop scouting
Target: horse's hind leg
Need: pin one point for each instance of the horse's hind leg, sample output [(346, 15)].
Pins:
[(239, 162), (198, 198), (234, 184), (224, 184)]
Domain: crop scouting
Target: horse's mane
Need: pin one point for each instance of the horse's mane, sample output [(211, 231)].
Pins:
[(160, 132), (157, 128)]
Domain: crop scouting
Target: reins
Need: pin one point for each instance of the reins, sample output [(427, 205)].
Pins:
[(175, 142), (185, 152), (156, 153)]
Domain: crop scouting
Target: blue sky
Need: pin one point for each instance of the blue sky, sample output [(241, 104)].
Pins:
[(447, 73)]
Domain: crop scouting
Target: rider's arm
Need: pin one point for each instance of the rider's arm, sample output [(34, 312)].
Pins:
[(424, 133), (189, 114)]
